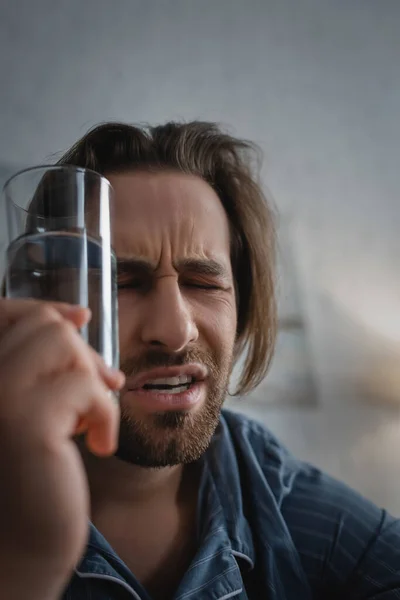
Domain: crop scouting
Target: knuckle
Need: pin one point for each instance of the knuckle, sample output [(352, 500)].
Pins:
[(61, 329), (96, 390), (82, 381), (89, 381), (48, 313), (64, 334), (99, 387)]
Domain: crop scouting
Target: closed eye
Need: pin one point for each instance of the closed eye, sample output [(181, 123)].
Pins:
[(132, 284), (203, 286)]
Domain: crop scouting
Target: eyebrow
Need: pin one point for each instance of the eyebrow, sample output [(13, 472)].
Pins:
[(208, 267)]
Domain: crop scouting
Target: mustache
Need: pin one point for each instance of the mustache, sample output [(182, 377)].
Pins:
[(157, 358)]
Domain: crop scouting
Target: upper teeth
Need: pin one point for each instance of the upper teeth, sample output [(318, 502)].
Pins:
[(179, 380)]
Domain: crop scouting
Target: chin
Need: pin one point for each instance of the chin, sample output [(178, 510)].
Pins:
[(166, 438)]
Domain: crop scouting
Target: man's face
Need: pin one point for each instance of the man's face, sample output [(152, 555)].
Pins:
[(177, 314)]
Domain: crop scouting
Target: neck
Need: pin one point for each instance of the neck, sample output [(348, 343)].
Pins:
[(114, 482), (149, 517)]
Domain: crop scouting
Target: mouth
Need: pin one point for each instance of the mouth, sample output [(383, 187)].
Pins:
[(164, 389), (168, 380)]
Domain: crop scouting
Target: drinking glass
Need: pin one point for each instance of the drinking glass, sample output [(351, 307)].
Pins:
[(59, 246)]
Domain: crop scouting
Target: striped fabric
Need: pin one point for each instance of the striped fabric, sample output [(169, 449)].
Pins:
[(269, 528)]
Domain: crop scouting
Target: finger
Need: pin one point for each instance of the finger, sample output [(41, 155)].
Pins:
[(102, 433), (26, 327), (30, 326), (81, 426), (55, 348), (13, 309), (71, 398), (114, 378), (82, 423), (36, 315)]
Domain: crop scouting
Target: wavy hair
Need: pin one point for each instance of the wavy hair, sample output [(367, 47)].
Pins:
[(230, 166)]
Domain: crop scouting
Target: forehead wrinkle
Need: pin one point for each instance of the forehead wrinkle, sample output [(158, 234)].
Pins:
[(160, 243), (182, 227), (132, 248), (164, 251), (212, 266)]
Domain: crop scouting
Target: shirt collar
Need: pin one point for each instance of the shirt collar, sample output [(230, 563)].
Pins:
[(220, 505), (225, 495), (101, 560)]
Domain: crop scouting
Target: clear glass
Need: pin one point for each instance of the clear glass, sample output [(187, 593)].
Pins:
[(59, 246)]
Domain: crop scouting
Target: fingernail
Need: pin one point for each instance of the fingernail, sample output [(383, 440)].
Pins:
[(116, 374), (76, 308)]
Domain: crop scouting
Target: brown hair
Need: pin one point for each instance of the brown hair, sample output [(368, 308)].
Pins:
[(226, 163)]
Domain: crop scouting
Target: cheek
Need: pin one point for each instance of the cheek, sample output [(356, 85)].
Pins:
[(216, 320), (127, 321)]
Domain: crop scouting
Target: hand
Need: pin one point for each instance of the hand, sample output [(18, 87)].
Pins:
[(52, 386)]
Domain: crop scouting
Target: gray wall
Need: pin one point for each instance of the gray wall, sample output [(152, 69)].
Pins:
[(316, 84), (5, 173)]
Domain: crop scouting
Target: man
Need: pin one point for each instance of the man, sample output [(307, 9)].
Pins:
[(186, 502)]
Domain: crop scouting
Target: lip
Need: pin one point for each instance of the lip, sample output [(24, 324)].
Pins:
[(195, 370), (150, 401)]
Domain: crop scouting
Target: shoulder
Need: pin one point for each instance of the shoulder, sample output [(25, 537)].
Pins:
[(341, 537), (249, 431), (293, 481), (260, 449)]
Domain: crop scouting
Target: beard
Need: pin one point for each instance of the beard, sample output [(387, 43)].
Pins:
[(170, 438)]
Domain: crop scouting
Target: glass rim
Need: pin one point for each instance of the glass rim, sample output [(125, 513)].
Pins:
[(65, 167)]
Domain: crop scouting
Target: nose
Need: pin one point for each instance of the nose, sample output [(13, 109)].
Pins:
[(169, 321)]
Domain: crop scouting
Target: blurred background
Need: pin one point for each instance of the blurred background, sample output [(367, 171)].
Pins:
[(316, 83)]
